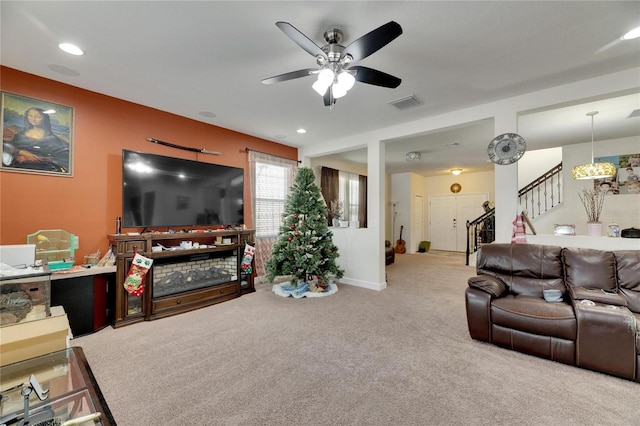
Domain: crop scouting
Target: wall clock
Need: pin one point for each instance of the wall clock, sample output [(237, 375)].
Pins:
[(506, 148), (455, 188)]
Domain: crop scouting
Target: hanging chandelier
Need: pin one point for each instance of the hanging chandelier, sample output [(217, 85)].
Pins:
[(593, 170)]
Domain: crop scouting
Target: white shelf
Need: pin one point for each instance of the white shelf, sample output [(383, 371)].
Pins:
[(583, 241)]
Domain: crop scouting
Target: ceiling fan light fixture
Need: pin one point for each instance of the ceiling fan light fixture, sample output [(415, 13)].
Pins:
[(413, 156), (346, 80), (593, 170), (326, 76), (320, 87), (338, 91)]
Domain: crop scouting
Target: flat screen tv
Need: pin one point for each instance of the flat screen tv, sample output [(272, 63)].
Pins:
[(159, 191)]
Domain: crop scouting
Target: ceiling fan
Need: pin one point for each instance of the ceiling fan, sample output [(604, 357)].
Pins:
[(335, 73)]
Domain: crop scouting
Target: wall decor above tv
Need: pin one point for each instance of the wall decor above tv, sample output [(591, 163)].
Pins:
[(159, 191)]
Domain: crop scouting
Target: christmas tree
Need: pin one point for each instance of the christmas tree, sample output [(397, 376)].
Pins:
[(305, 248)]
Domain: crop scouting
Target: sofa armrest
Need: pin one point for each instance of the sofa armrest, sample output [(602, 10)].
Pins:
[(488, 284), (597, 295)]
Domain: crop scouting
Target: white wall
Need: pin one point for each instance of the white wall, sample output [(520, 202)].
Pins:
[(623, 209), (472, 183), (404, 188), (534, 164), (505, 111)]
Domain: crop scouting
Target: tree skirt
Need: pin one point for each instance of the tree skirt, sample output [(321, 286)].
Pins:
[(302, 290)]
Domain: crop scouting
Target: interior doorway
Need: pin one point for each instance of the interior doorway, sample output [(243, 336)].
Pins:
[(417, 227), (448, 216)]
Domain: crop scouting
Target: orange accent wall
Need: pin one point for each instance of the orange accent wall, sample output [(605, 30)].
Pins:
[(88, 203)]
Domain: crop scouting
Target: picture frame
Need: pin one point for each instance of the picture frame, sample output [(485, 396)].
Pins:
[(627, 178), (182, 202), (37, 136)]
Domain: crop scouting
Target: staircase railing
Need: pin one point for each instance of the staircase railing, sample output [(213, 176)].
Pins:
[(480, 231), (542, 194), (536, 198)]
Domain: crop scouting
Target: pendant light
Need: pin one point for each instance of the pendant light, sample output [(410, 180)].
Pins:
[(593, 170)]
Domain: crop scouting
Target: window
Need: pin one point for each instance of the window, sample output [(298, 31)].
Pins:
[(271, 178), (349, 189), (271, 186)]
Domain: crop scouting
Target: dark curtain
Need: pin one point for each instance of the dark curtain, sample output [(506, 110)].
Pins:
[(362, 201), (329, 185)]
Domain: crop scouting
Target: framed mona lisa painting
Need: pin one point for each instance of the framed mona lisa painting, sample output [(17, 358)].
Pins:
[(37, 136)]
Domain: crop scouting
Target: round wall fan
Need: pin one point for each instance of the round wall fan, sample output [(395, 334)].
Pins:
[(335, 72)]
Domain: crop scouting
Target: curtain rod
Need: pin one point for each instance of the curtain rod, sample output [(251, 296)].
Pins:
[(186, 148), (262, 152)]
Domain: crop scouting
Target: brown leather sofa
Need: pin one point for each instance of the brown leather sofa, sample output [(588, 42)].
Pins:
[(389, 253), (594, 324)]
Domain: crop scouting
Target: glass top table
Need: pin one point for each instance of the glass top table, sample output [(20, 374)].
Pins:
[(72, 390)]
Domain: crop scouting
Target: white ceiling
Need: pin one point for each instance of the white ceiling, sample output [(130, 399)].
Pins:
[(190, 58)]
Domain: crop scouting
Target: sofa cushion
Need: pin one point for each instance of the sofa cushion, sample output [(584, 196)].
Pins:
[(589, 268), (526, 269), (608, 297), (488, 284), (534, 315), (628, 268)]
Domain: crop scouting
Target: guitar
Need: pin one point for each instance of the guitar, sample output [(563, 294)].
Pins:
[(400, 244)]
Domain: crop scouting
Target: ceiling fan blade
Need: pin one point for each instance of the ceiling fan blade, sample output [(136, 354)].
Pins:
[(373, 41), (289, 76), (375, 77), (301, 40)]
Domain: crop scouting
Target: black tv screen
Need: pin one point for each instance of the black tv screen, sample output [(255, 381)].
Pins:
[(159, 191)]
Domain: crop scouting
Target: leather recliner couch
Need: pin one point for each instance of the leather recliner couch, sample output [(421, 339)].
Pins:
[(594, 325)]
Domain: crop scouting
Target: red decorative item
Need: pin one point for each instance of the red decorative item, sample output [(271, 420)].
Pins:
[(134, 282)]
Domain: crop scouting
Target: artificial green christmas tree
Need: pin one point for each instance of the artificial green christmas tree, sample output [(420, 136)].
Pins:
[(305, 248)]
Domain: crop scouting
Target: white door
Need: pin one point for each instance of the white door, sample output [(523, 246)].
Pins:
[(417, 228), (442, 220), (448, 216)]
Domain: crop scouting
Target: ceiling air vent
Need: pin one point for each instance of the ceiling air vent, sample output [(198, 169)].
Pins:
[(404, 103), (634, 113)]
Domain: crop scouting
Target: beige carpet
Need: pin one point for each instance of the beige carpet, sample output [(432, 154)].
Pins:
[(401, 356)]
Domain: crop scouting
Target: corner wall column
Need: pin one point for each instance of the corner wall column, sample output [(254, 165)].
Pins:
[(506, 182)]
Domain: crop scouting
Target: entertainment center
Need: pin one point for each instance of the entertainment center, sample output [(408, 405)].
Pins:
[(191, 268), (181, 279)]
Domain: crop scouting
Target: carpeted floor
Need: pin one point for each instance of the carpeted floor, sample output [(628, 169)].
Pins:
[(401, 356)]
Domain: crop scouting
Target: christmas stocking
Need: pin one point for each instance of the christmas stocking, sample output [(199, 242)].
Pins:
[(245, 266), (139, 268)]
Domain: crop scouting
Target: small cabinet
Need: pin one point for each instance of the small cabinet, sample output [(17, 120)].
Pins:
[(190, 270)]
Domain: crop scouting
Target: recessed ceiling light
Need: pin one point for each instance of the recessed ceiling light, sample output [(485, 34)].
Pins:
[(301, 131), (71, 49), (634, 33), (207, 114), (452, 144)]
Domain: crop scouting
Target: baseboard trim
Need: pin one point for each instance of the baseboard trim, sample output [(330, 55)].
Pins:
[(364, 284)]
